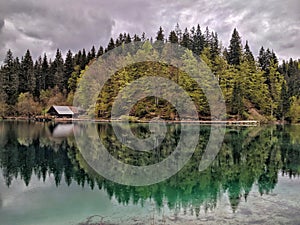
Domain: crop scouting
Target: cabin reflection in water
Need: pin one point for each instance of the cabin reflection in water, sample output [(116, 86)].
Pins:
[(61, 130)]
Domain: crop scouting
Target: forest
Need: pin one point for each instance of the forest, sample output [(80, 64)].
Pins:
[(254, 87)]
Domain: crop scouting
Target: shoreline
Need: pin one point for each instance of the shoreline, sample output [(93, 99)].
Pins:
[(203, 122)]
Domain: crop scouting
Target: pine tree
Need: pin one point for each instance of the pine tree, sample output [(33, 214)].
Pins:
[(84, 60), (93, 52), (225, 54), (186, 42), (293, 78), (283, 68), (198, 41), (111, 44), (100, 51), (173, 37), (143, 38), (10, 79), (248, 54), (235, 49), (127, 39), (38, 77), (262, 58), (160, 35), (17, 73), (275, 80), (120, 40), (27, 79), (178, 32), (77, 58), (237, 104), (58, 71), (47, 79), (136, 38), (69, 67), (72, 82), (214, 46), (274, 57), (265, 58), (3, 96), (284, 101), (207, 38)]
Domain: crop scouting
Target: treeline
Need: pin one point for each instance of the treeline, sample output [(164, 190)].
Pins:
[(254, 88)]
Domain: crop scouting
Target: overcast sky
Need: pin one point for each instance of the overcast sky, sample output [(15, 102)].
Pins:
[(43, 26)]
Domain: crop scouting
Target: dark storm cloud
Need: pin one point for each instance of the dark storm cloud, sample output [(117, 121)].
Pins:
[(287, 46), (46, 25), (272, 24), (1, 24)]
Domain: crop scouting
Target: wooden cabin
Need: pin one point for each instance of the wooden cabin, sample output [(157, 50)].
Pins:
[(61, 111)]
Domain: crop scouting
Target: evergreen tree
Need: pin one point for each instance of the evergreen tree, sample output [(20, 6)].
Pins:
[(38, 77), (69, 67), (265, 58), (57, 68), (178, 32), (225, 54), (237, 104), (248, 54), (173, 37), (72, 82), (207, 38), (120, 40), (214, 46), (46, 78), (10, 79), (111, 44), (136, 38), (285, 101), (198, 41), (127, 39), (186, 42), (17, 73), (84, 60), (235, 49), (143, 38), (293, 78), (93, 52), (274, 57), (27, 79), (77, 58), (160, 35), (262, 59), (3, 96), (275, 83), (100, 51)]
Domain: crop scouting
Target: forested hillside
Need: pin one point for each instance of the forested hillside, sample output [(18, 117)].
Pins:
[(254, 87)]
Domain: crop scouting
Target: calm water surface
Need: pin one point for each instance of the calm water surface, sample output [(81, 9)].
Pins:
[(45, 180)]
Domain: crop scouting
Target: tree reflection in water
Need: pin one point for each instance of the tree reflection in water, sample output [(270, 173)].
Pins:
[(255, 155)]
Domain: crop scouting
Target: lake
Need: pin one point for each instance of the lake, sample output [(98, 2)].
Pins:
[(45, 179)]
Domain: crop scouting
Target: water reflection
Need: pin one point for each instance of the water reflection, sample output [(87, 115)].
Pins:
[(256, 155)]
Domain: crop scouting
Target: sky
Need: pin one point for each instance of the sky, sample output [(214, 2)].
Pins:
[(44, 25)]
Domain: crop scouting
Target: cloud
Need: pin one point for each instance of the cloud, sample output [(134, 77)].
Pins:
[(46, 25), (42, 27), (1, 24)]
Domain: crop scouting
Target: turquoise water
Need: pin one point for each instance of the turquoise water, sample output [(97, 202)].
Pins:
[(45, 179)]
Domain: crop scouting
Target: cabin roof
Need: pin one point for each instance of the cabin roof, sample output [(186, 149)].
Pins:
[(62, 110)]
